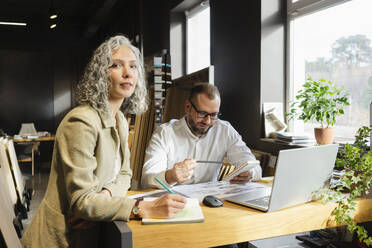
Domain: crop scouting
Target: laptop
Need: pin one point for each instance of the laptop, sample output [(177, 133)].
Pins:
[(299, 173)]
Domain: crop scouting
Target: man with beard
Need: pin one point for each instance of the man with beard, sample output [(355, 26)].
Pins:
[(176, 147)]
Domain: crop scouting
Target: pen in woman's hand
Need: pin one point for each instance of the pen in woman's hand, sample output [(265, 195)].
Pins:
[(164, 186)]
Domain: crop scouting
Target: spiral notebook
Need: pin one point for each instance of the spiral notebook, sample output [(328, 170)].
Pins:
[(192, 213)]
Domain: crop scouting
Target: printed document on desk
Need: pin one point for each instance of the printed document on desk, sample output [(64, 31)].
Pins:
[(220, 189)]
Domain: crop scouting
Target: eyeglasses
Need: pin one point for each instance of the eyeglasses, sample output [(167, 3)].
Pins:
[(203, 114)]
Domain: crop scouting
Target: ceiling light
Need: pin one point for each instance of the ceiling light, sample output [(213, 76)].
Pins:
[(53, 16), (52, 12), (13, 23), (53, 26)]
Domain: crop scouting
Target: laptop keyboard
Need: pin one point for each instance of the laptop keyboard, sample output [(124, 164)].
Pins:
[(262, 202)]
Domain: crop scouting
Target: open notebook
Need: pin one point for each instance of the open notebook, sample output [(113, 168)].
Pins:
[(192, 213)]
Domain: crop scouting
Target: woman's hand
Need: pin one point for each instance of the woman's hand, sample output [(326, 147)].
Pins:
[(166, 206)]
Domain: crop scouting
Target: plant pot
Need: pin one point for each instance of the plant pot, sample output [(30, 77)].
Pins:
[(323, 136)]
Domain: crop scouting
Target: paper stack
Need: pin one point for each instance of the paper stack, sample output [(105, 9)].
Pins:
[(294, 138)]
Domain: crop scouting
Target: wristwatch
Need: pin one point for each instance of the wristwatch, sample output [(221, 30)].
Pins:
[(136, 210)]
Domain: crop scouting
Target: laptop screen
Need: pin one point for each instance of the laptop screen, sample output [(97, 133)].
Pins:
[(300, 172)]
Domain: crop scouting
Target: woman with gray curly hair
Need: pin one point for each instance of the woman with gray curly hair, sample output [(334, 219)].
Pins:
[(94, 87), (90, 173)]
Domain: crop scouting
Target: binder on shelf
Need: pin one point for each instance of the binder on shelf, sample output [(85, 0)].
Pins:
[(158, 87), (161, 79), (158, 71)]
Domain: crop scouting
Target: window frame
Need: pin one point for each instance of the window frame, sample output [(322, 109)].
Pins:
[(189, 13), (295, 10)]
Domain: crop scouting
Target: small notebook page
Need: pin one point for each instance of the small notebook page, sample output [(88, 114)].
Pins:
[(192, 213), (241, 168)]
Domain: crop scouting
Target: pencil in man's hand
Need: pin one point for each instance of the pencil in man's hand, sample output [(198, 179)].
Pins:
[(209, 162)]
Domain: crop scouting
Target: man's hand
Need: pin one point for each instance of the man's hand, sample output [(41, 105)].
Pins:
[(243, 177), (166, 206), (181, 171), (105, 192)]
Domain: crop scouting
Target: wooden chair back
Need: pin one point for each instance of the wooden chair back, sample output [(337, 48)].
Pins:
[(17, 174), (7, 216), (7, 181)]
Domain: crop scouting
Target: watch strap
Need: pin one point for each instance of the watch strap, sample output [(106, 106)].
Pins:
[(136, 210)]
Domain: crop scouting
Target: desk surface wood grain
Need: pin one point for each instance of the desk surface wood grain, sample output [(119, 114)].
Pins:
[(233, 224)]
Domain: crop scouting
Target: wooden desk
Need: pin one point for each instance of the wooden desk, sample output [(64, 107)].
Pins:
[(233, 224), (35, 145), (44, 138)]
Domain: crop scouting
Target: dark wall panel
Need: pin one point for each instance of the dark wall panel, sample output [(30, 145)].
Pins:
[(26, 90), (156, 21), (235, 53)]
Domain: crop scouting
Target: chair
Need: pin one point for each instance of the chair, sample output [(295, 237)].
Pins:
[(10, 219), (7, 181), (10, 225), (26, 150), (7, 228), (267, 162), (24, 195), (26, 153)]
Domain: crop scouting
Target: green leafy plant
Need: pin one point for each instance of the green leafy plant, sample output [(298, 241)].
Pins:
[(321, 101), (356, 161)]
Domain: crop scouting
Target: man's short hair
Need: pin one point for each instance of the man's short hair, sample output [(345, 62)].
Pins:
[(210, 90)]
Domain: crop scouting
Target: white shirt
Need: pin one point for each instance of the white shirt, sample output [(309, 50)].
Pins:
[(173, 142)]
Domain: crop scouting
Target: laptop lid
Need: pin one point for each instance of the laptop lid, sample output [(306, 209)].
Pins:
[(299, 173)]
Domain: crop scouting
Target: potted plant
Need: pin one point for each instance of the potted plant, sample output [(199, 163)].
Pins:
[(321, 101), (356, 182)]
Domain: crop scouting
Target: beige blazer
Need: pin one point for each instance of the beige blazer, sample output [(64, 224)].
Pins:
[(82, 165)]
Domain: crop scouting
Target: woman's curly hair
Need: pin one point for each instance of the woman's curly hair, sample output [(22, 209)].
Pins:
[(93, 88)]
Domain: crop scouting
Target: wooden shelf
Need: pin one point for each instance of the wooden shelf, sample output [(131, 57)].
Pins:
[(25, 160)]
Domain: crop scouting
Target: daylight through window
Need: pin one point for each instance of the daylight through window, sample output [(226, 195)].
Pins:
[(335, 43)]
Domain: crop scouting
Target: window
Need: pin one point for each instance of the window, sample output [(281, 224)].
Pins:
[(332, 39), (198, 37)]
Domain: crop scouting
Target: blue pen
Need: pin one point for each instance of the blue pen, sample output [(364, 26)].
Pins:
[(164, 186)]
